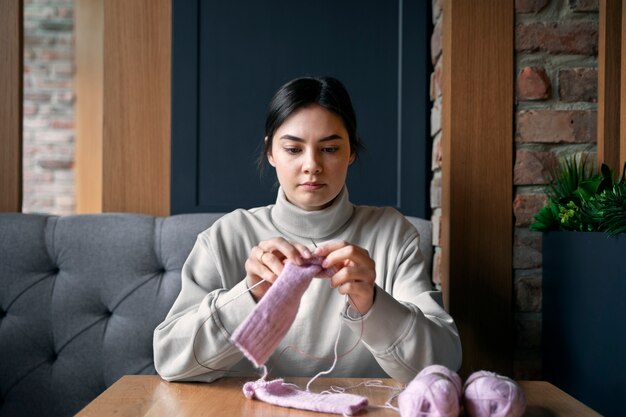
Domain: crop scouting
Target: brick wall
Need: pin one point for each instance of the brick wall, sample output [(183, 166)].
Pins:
[(435, 132), (556, 43), (48, 107)]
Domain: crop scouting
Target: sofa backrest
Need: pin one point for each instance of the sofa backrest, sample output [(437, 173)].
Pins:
[(80, 297)]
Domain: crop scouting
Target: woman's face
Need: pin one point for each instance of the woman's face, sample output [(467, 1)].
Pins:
[(311, 154)]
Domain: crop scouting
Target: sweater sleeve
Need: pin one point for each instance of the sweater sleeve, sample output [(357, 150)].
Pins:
[(197, 329), (407, 328)]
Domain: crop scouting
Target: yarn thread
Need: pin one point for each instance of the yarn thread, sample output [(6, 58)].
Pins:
[(371, 383), (329, 370), (488, 394)]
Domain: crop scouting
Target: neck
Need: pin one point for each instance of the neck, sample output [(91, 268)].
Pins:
[(316, 224)]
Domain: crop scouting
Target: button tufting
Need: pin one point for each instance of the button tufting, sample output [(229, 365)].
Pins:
[(55, 270), (2, 314), (53, 357)]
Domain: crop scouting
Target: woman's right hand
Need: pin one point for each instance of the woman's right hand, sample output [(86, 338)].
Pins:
[(266, 262)]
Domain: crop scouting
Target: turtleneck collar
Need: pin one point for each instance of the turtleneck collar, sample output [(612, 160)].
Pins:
[(316, 224)]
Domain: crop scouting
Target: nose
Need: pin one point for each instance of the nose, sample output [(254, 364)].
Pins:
[(312, 165)]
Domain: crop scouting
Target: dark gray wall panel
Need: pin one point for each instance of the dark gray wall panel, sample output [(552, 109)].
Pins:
[(230, 57)]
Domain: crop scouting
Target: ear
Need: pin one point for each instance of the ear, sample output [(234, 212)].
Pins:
[(352, 158), (270, 158)]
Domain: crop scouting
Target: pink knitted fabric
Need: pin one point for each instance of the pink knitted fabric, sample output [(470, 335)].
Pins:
[(434, 392), (276, 392), (261, 332)]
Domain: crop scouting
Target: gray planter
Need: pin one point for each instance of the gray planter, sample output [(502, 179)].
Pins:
[(584, 317)]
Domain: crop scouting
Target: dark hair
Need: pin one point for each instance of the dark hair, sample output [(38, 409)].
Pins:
[(327, 92)]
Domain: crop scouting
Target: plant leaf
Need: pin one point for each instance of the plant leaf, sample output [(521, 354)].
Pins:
[(589, 188), (546, 219), (607, 179), (580, 200)]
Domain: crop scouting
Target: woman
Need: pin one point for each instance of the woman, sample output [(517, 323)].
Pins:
[(380, 292)]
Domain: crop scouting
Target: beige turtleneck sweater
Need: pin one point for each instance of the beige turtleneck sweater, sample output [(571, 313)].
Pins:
[(405, 330)]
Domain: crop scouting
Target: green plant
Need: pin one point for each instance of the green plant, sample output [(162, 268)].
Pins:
[(580, 200)]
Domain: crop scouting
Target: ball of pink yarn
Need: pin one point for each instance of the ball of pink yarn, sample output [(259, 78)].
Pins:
[(434, 392), (487, 394)]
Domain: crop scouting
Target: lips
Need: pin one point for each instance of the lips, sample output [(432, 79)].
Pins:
[(312, 186)]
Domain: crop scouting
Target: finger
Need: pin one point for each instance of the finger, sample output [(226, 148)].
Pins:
[(329, 272), (272, 263), (350, 253), (360, 294), (353, 274), (257, 269), (304, 251), (357, 291), (284, 248), (257, 253), (324, 250), (257, 264)]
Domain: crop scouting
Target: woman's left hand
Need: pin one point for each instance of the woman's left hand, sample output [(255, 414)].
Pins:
[(356, 272)]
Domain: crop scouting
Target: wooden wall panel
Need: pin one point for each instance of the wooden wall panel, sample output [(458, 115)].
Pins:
[(136, 107), (11, 69), (622, 136), (477, 178), (89, 32), (609, 80)]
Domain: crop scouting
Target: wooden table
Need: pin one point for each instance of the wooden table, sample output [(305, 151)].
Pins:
[(150, 396)]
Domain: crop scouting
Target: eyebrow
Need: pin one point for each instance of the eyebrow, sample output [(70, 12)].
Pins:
[(324, 139)]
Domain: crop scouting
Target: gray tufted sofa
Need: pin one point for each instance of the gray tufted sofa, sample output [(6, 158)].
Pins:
[(80, 297)]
